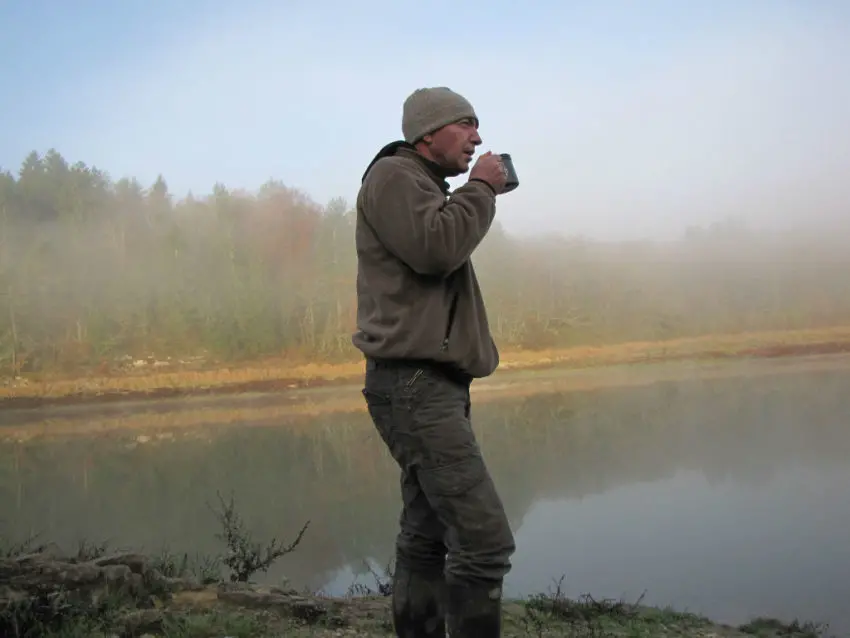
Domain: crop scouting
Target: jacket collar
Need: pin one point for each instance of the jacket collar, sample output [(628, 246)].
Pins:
[(403, 149)]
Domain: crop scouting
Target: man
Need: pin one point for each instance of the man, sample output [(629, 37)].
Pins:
[(422, 326)]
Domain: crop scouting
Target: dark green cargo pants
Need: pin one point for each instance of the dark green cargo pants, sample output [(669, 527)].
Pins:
[(449, 502)]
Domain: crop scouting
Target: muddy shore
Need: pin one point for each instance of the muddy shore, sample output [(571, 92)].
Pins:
[(126, 594), (276, 376)]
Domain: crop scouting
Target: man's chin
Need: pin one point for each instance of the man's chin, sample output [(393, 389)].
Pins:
[(460, 168)]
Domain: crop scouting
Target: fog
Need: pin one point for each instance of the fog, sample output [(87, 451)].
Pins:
[(184, 185), (93, 272)]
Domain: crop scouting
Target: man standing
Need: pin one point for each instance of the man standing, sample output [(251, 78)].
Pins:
[(422, 326)]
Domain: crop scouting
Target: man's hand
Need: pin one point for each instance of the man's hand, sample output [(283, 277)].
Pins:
[(489, 168)]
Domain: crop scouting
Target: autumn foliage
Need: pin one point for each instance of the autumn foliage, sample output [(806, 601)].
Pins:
[(94, 269)]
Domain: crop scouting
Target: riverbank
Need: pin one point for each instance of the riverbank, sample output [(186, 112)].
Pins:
[(98, 593), (128, 594), (154, 379)]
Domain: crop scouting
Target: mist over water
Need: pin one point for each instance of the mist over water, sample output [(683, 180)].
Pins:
[(725, 496)]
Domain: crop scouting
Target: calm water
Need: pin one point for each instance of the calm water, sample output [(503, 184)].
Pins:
[(725, 496)]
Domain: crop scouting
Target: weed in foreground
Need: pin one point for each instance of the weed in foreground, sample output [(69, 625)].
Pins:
[(775, 628), (206, 569), (383, 582), (584, 608), (87, 551), (213, 623), (244, 556), (585, 616)]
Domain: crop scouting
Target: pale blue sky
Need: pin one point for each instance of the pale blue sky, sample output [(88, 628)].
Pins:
[(624, 118)]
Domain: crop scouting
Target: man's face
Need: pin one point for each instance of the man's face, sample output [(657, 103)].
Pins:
[(453, 146)]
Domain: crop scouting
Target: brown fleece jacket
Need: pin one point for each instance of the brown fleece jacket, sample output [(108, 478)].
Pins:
[(417, 293)]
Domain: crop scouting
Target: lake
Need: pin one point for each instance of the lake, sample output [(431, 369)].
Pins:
[(722, 489)]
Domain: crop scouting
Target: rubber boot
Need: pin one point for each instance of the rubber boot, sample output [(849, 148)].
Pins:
[(474, 611), (418, 604)]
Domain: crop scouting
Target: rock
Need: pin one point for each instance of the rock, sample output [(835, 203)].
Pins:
[(85, 583), (39, 574), (154, 578), (51, 588), (137, 563), (184, 584), (116, 573), (303, 608), (51, 551)]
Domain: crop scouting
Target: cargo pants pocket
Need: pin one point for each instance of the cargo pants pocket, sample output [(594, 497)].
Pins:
[(479, 537)]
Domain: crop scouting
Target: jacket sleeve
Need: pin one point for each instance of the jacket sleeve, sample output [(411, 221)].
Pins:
[(415, 222)]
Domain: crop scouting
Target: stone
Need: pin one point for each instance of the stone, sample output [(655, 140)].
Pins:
[(51, 551), (85, 583), (39, 574), (116, 573), (189, 583), (300, 607), (137, 563)]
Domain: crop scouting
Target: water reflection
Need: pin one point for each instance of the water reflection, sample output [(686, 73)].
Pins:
[(726, 496)]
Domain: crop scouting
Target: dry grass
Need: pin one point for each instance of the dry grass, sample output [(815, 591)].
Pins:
[(281, 374), (708, 346)]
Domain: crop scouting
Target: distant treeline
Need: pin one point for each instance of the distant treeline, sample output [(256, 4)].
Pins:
[(93, 269)]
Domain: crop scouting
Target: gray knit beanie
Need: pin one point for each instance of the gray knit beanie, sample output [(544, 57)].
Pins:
[(426, 110)]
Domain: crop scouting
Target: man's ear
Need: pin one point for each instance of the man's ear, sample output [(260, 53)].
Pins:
[(428, 139)]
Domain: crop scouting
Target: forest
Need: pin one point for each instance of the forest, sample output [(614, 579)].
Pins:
[(95, 269)]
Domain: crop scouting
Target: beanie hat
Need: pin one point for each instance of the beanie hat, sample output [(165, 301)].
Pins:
[(426, 110)]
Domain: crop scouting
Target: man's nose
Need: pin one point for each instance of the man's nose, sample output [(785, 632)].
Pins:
[(476, 138)]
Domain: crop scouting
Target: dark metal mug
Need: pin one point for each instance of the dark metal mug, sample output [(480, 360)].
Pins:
[(512, 179)]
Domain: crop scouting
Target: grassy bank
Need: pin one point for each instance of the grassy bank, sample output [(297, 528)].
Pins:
[(97, 593), (156, 379)]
